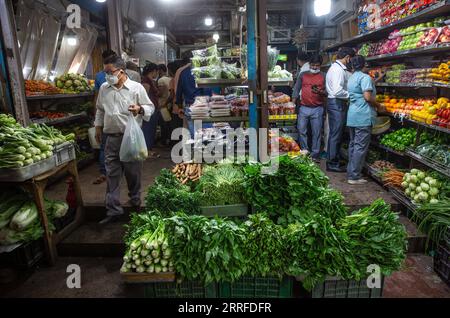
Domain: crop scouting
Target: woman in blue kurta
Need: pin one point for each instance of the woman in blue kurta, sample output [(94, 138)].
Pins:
[(360, 119)]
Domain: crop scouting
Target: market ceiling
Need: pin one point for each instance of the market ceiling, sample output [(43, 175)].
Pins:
[(184, 18), (188, 6)]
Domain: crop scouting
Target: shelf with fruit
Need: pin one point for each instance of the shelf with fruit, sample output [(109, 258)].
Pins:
[(394, 14), (398, 75), (417, 39), (69, 85), (401, 105)]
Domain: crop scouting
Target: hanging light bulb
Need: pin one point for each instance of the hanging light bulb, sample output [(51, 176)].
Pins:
[(216, 37), (72, 41), (208, 21), (150, 23), (101, 1), (322, 7)]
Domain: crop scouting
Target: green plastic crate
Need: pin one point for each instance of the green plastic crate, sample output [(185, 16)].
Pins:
[(183, 290), (235, 210), (336, 288), (257, 287)]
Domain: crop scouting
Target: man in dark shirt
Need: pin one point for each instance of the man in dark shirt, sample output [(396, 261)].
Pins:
[(187, 89)]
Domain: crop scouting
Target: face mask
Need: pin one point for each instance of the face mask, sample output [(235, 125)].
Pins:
[(315, 71), (112, 79)]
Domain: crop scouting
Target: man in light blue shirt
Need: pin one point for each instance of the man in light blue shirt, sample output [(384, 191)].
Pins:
[(360, 118)]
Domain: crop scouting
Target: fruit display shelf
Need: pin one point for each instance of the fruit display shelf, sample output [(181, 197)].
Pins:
[(427, 50), (436, 10), (405, 119), (414, 85), (403, 199), (58, 121), (380, 146), (429, 163), (59, 96)]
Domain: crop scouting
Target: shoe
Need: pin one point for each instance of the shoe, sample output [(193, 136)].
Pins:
[(357, 182), (110, 219), (338, 170), (134, 204)]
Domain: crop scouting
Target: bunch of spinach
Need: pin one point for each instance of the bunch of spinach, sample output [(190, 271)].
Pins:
[(376, 237), (221, 185), (295, 192), (210, 250), (264, 248), (167, 196), (318, 249)]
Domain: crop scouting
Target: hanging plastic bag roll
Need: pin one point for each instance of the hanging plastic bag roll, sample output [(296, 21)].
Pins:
[(133, 146)]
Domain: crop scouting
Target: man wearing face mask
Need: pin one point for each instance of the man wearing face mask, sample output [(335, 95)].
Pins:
[(336, 85), (312, 99), (117, 98)]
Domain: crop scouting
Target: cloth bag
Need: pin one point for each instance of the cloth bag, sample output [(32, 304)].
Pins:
[(133, 147)]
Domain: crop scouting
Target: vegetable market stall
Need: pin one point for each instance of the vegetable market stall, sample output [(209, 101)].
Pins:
[(288, 230), (29, 158)]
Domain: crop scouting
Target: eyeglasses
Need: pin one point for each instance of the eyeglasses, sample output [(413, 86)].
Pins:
[(112, 72)]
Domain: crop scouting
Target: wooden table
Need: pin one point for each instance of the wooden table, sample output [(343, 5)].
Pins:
[(37, 186)]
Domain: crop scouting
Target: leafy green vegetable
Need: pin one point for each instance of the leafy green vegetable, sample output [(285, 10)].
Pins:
[(264, 247), (168, 196), (376, 237), (209, 250), (221, 185), (296, 191)]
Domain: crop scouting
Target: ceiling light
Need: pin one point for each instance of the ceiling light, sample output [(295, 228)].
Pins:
[(101, 1), (72, 41), (322, 7), (150, 24), (208, 21), (216, 37)]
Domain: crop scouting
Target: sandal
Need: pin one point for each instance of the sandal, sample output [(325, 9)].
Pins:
[(100, 180), (154, 155)]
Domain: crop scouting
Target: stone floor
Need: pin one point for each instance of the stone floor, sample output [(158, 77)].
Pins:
[(100, 278)]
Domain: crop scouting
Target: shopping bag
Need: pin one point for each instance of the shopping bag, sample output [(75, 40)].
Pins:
[(133, 146)]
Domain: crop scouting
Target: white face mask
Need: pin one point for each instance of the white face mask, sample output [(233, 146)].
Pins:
[(112, 79), (315, 71)]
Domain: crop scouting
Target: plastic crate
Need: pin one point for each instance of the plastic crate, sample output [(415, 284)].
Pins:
[(441, 262), (64, 153), (257, 287), (236, 210), (25, 256), (185, 289), (337, 288)]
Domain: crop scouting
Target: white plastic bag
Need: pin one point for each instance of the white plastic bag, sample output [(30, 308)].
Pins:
[(133, 146)]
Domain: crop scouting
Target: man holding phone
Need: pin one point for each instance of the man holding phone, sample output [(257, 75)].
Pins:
[(312, 98), (117, 98)]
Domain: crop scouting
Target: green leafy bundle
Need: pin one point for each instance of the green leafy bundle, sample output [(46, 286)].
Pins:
[(167, 196), (221, 185), (295, 192), (208, 250), (377, 237), (434, 220), (317, 249), (264, 248)]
